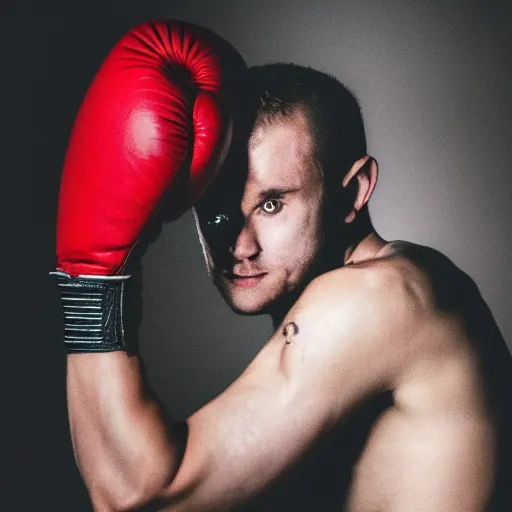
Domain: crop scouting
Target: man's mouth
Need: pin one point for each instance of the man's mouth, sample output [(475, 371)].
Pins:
[(245, 280)]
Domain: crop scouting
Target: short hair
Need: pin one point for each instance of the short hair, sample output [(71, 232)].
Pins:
[(333, 112)]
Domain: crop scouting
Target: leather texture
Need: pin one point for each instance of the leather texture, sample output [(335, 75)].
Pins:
[(156, 116)]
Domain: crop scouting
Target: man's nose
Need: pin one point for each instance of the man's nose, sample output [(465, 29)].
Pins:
[(246, 244)]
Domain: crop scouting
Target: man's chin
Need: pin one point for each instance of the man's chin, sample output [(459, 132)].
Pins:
[(246, 311), (276, 308), (244, 306), (242, 302)]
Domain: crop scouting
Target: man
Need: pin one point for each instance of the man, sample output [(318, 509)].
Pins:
[(358, 321), (375, 317)]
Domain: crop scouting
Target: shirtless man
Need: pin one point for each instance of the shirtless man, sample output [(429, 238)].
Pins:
[(357, 321)]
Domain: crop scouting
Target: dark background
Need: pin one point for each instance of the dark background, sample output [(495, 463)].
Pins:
[(433, 79)]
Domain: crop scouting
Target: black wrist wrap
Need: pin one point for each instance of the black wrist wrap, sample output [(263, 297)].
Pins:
[(93, 308)]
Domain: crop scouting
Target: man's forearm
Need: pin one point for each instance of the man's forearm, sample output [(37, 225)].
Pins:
[(126, 452)]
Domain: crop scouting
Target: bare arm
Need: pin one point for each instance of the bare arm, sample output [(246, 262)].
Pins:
[(240, 442), (292, 393), (125, 450)]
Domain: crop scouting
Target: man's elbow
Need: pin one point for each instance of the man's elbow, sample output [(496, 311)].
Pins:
[(127, 500), (132, 491), (114, 485)]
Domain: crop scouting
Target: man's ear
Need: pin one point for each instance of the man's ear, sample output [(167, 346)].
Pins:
[(363, 177)]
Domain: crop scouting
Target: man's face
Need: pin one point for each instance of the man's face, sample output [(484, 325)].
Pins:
[(273, 234)]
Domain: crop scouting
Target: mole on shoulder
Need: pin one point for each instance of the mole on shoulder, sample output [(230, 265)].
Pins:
[(289, 331)]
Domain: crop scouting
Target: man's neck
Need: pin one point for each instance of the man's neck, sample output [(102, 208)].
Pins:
[(369, 248)]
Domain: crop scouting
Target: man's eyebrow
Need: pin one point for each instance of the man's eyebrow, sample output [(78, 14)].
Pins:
[(276, 192)]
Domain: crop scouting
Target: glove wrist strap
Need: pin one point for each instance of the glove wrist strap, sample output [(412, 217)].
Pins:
[(93, 312)]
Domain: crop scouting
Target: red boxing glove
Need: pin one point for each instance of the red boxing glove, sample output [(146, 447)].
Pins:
[(157, 106), (156, 116)]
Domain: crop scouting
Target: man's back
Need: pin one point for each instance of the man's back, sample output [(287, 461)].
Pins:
[(445, 419)]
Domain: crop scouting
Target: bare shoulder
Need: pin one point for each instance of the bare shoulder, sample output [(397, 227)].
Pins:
[(421, 278), (459, 330), (450, 297), (396, 289), (370, 311), (412, 300), (447, 286)]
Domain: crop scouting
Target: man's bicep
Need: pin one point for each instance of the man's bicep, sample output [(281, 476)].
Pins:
[(244, 439)]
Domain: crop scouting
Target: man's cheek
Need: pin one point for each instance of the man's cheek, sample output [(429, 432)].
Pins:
[(282, 236)]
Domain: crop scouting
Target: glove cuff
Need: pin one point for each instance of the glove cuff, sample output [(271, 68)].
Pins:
[(93, 312)]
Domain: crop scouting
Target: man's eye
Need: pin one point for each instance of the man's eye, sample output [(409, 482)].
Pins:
[(271, 206), (218, 220)]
